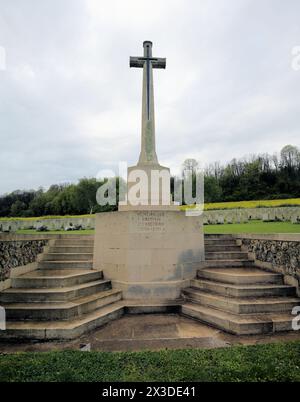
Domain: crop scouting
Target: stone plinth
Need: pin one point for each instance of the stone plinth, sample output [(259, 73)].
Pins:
[(148, 185), (148, 254)]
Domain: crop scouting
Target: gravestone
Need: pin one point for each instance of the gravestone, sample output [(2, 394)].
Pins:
[(229, 218), (2, 319), (205, 220), (220, 219), (265, 217), (212, 218), (244, 217), (149, 248)]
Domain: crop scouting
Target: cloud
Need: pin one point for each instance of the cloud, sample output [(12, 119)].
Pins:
[(70, 105)]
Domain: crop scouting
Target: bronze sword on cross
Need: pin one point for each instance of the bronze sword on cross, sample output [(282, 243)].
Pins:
[(149, 62)]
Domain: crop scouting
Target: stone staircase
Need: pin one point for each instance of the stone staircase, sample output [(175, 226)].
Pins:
[(230, 293), (63, 298)]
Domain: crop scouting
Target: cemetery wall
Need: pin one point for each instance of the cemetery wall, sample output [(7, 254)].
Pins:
[(278, 252), (18, 256)]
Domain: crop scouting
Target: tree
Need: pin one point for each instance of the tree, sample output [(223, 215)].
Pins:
[(290, 156), (85, 195), (18, 208), (212, 189), (189, 167), (255, 177)]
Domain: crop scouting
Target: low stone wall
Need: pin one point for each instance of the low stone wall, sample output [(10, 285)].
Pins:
[(16, 253), (278, 252)]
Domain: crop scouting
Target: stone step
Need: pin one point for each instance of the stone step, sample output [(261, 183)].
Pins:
[(28, 295), (152, 306), (228, 263), (240, 276), (44, 278), (73, 235), (61, 311), (68, 256), (222, 247), (239, 324), (226, 255), (218, 242), (45, 264), (231, 290), (220, 237), (71, 249), (51, 330), (240, 305), (74, 242)]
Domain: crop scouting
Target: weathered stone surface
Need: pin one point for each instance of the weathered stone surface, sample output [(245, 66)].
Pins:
[(241, 300), (18, 253), (148, 254)]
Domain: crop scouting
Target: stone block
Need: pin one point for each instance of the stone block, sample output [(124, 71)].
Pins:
[(148, 254)]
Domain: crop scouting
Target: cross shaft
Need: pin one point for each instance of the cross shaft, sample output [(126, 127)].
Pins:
[(147, 62)]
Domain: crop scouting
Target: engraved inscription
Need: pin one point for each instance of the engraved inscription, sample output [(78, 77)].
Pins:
[(149, 221)]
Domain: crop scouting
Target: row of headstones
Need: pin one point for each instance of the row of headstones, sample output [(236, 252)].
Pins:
[(283, 214), (220, 217), (65, 224), (280, 214)]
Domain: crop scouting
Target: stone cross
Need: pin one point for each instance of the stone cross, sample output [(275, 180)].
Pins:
[(147, 62)]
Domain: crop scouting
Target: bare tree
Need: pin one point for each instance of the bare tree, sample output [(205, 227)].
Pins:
[(290, 156), (189, 167)]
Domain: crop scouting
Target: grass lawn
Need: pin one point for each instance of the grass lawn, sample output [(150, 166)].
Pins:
[(270, 362), (254, 227)]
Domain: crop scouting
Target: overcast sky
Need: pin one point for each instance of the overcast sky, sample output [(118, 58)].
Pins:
[(70, 105)]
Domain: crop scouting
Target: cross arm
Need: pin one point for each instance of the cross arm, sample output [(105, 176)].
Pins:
[(136, 62), (157, 62)]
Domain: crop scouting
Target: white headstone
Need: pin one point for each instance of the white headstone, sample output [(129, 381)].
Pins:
[(2, 319)]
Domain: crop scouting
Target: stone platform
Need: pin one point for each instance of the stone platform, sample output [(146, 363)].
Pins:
[(65, 298), (149, 254)]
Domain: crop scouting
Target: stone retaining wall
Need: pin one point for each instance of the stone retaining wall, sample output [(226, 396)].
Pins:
[(18, 253), (280, 253)]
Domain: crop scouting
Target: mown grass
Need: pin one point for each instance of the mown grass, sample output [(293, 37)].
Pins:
[(270, 362)]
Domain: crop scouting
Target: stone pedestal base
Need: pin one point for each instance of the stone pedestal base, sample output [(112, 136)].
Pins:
[(148, 254)]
